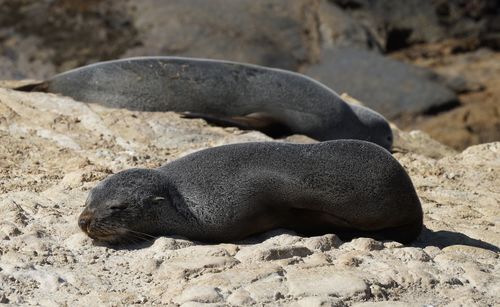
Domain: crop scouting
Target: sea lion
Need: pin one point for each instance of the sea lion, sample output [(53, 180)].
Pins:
[(348, 187), (275, 101)]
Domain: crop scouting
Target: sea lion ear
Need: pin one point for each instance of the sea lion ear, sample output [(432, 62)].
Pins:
[(157, 199)]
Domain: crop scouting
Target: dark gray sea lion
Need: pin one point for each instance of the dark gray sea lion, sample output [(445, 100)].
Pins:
[(275, 101), (348, 187)]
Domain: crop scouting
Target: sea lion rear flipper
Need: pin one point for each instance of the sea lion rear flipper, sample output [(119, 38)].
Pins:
[(33, 87), (254, 121)]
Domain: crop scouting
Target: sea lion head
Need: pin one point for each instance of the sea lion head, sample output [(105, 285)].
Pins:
[(375, 127), (125, 207)]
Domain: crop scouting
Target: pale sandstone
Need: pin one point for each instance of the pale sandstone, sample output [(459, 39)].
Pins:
[(53, 150)]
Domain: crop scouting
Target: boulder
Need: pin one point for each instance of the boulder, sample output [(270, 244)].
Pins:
[(339, 29), (401, 23), (388, 86), (273, 33)]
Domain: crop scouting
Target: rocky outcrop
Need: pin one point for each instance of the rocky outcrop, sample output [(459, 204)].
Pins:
[(318, 37), (388, 86), (55, 149), (338, 29), (40, 37), (273, 33), (398, 24)]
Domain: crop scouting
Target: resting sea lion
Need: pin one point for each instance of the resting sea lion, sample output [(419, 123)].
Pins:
[(348, 187), (275, 101)]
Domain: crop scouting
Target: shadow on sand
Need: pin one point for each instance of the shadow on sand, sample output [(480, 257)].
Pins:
[(444, 238), (441, 239)]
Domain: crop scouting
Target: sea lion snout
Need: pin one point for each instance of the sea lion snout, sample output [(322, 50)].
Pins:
[(85, 219)]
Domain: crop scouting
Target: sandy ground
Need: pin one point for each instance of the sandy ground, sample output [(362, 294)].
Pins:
[(53, 150)]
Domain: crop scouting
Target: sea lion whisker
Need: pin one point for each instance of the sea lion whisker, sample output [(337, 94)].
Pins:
[(130, 237), (115, 229), (141, 233), (130, 234), (104, 230)]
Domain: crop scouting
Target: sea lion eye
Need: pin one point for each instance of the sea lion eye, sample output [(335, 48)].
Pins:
[(118, 206), (157, 199)]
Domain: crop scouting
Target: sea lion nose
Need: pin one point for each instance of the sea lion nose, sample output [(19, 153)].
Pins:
[(84, 220)]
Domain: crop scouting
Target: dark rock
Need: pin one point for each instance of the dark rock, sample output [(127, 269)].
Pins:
[(68, 34), (338, 29), (8, 69), (491, 37), (402, 23), (390, 87), (43, 36), (24, 57), (491, 40), (459, 84), (277, 33)]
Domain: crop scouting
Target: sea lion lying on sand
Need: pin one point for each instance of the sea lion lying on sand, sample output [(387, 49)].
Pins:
[(348, 187), (274, 101)]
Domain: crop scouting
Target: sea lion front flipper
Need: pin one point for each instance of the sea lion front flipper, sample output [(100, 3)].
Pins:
[(263, 122)]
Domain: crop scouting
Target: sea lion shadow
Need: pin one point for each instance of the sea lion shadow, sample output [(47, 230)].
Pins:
[(428, 237), (250, 240), (124, 246), (445, 238)]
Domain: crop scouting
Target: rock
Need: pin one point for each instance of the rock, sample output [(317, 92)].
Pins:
[(366, 244), (338, 29), (477, 119), (406, 23), (8, 69), (410, 253), (196, 304), (318, 301), (273, 33), (199, 294), (46, 259), (188, 267), (479, 254), (264, 253), (399, 24), (323, 243), (162, 244), (390, 87), (11, 84), (405, 142), (62, 39), (240, 297), (350, 259), (3, 299), (326, 281), (268, 288), (73, 179), (299, 139), (491, 40), (388, 304)]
